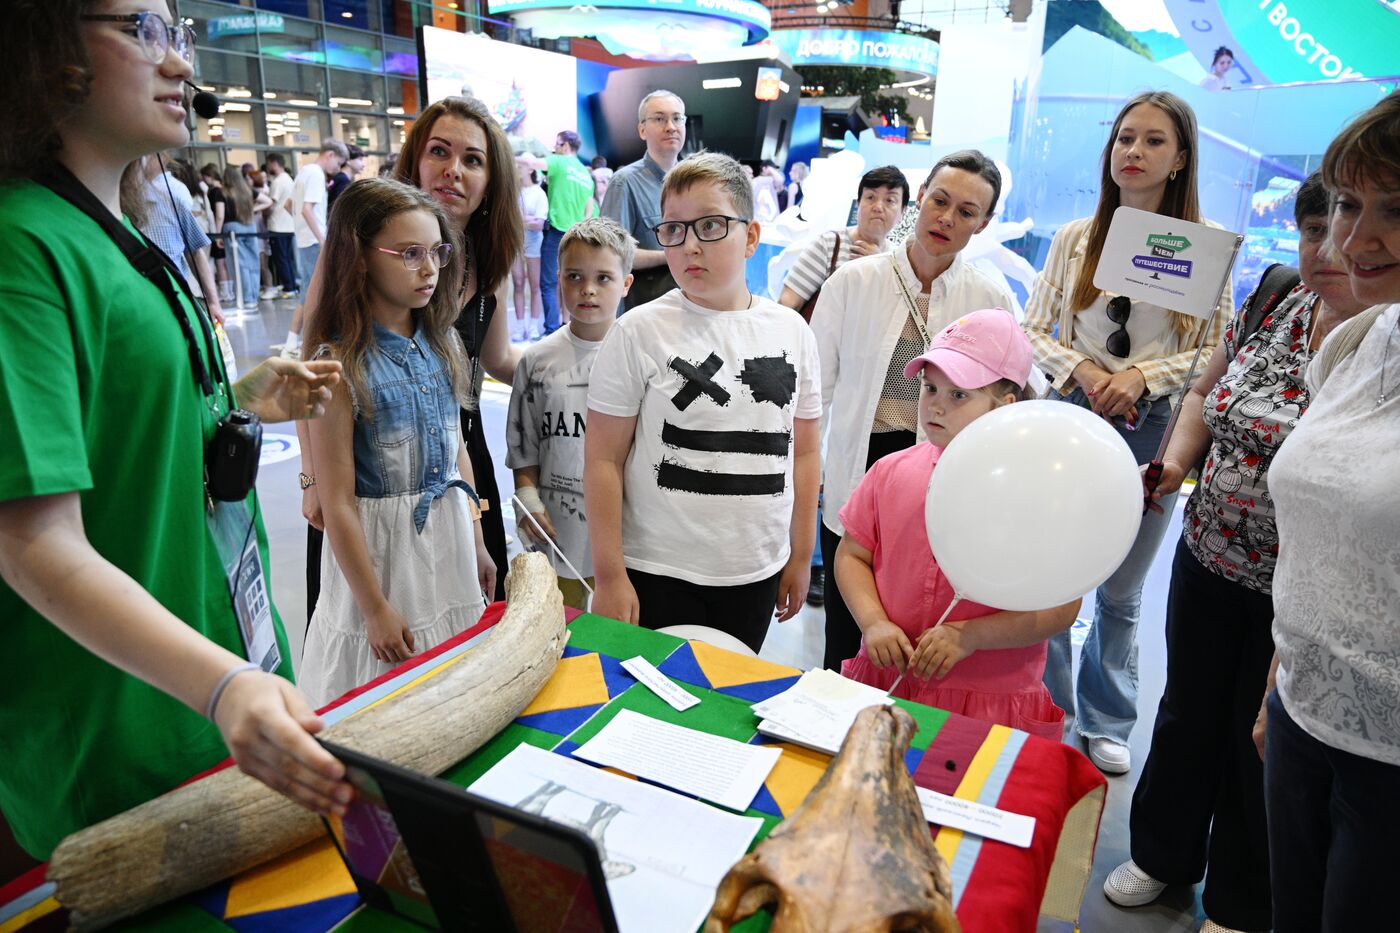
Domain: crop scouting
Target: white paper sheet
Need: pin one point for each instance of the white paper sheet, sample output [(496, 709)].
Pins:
[(663, 854), (817, 711), (976, 818), (659, 684), (721, 770)]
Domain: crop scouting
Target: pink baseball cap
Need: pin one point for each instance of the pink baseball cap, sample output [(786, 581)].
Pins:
[(978, 349)]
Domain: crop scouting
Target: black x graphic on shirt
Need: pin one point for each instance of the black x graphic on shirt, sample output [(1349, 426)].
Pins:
[(697, 380)]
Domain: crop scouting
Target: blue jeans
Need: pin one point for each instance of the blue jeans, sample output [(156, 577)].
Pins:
[(1105, 699), (245, 257), (549, 277), (1333, 821), (306, 265)]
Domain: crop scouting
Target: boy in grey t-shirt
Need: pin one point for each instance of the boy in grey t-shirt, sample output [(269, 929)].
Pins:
[(549, 401)]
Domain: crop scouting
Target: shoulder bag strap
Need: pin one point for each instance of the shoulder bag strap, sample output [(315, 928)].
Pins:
[(1343, 343)]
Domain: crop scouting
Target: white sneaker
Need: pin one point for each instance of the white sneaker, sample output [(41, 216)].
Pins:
[(272, 291), (1130, 886), (1210, 926), (1111, 757), (291, 352)]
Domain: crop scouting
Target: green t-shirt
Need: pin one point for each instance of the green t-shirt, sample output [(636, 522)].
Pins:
[(570, 189), (97, 396)]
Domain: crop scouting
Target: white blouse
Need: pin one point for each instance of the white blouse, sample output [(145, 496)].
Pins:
[(1337, 586)]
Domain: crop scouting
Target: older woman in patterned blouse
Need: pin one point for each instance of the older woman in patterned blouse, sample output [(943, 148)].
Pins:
[(1199, 803)]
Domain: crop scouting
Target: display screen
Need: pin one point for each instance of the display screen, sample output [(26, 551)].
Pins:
[(432, 853)]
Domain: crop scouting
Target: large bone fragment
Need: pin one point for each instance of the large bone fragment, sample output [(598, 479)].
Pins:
[(856, 856), (227, 823)]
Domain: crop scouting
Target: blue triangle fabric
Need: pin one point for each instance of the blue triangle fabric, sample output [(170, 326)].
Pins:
[(912, 758), (213, 899), (571, 652), (616, 678), (761, 690), (682, 666), (311, 918), (560, 721), (763, 802)]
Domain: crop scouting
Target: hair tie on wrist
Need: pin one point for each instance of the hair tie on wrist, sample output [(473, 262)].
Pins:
[(222, 685)]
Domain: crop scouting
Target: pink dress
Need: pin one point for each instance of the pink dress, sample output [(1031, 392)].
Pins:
[(885, 514)]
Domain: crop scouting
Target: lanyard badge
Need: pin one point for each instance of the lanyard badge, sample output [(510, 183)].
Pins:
[(233, 526)]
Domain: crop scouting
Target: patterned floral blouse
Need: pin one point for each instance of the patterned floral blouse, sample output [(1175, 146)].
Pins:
[(1230, 525)]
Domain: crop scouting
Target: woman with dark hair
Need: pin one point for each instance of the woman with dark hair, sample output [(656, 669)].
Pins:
[(457, 153), (241, 209), (875, 314), (1220, 65), (1199, 804), (1124, 360), (1331, 729), (130, 670)]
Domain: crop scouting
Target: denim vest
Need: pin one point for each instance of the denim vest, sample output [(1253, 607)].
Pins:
[(409, 443)]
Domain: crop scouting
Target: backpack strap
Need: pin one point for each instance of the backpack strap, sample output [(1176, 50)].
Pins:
[(1274, 285), (1342, 343), (835, 254)]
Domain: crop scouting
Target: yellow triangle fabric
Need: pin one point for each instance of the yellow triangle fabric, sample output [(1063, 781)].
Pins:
[(312, 873), (793, 777), (577, 681), (727, 669)]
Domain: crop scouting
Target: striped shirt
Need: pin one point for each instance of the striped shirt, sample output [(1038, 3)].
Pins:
[(812, 268)]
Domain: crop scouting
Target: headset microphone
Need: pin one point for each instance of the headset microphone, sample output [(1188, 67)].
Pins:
[(204, 103)]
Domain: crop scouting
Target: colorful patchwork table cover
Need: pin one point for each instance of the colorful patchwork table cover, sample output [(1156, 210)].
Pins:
[(996, 886)]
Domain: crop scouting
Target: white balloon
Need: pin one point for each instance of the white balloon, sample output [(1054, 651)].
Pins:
[(1033, 505)]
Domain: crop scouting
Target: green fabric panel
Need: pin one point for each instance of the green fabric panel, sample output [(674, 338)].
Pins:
[(717, 714), (485, 758), (930, 720), (620, 640), (176, 917)]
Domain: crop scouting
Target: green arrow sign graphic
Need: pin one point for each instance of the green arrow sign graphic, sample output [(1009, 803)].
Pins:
[(1165, 241)]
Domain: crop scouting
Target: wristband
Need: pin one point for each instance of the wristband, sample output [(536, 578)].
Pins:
[(222, 685), (529, 497)]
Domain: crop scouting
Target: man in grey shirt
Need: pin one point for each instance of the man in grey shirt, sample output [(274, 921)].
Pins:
[(634, 195)]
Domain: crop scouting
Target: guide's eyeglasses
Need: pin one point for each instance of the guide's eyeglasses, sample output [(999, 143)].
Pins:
[(1120, 308), (414, 257), (153, 32), (707, 229), (661, 119)]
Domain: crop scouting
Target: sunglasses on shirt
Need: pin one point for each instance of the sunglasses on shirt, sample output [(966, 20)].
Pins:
[(1120, 308)]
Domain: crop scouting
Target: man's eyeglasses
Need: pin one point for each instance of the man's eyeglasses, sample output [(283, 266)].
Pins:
[(153, 32), (661, 119), (1120, 308), (414, 257), (707, 229)]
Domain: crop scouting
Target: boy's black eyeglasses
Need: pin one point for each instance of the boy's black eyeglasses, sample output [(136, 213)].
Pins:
[(155, 35), (707, 229), (1120, 308)]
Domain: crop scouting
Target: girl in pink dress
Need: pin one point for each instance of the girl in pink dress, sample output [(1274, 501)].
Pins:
[(980, 662)]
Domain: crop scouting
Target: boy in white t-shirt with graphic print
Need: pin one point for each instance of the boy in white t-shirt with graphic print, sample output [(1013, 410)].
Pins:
[(702, 459), (549, 402)]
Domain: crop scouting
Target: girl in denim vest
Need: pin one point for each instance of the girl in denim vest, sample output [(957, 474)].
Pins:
[(406, 564)]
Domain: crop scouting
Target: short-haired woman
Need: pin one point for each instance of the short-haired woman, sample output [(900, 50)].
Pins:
[(1332, 753), (1198, 809)]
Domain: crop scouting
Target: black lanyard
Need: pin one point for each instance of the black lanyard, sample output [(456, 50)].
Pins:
[(154, 266)]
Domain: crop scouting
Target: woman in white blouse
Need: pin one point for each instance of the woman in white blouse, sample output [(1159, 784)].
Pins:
[(875, 314), (1332, 753), (1125, 360)]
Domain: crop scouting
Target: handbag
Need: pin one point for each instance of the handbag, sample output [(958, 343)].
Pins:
[(810, 304)]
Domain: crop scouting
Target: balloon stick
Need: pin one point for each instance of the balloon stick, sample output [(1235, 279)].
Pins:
[(1153, 476)]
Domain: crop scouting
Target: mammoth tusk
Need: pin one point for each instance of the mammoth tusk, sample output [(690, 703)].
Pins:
[(224, 824)]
